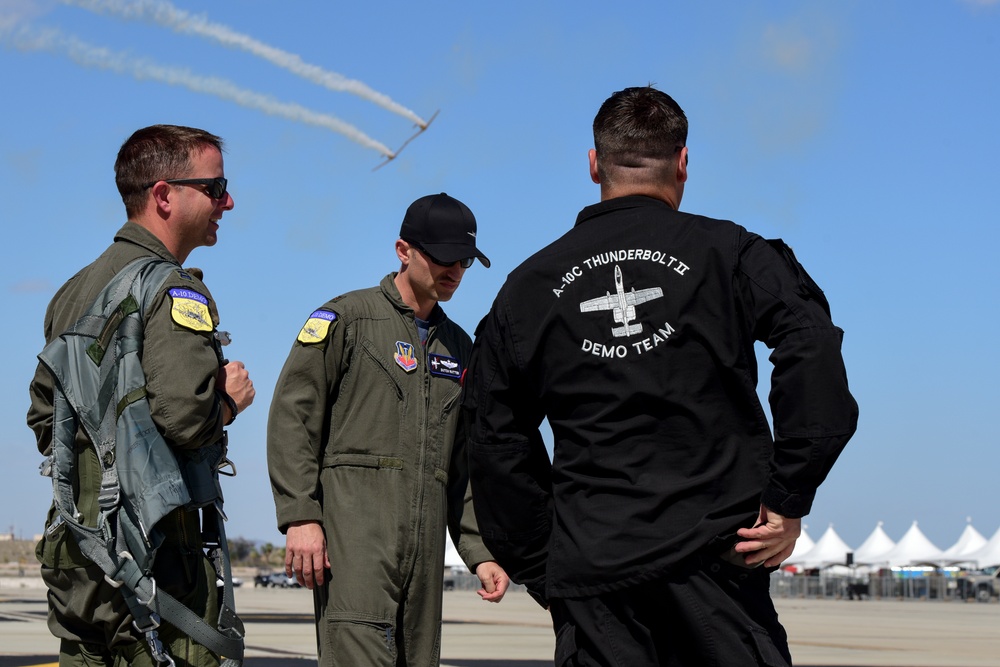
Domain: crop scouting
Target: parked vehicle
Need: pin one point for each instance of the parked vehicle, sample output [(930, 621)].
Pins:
[(276, 580), (980, 585)]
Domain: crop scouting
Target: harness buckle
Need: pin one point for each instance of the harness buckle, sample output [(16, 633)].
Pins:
[(156, 648), (226, 462), (114, 583)]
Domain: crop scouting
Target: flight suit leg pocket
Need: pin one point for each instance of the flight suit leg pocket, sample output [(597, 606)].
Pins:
[(358, 642)]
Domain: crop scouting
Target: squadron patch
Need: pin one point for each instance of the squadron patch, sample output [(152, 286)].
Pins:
[(405, 356), (316, 327), (190, 309), (445, 367)]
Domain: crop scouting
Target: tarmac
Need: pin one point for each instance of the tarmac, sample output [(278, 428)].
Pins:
[(517, 632)]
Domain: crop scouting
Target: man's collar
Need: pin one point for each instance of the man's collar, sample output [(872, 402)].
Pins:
[(133, 232), (620, 203)]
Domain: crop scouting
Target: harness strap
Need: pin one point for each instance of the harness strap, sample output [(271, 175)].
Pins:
[(114, 324)]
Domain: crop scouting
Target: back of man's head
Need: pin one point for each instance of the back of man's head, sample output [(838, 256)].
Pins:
[(636, 133), (156, 153)]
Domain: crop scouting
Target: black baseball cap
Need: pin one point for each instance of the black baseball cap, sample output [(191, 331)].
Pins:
[(444, 227)]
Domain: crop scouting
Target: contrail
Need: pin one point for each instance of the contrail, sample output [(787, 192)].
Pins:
[(165, 14), (52, 40)]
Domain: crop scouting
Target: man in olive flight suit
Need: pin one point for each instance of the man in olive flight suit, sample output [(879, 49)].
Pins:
[(172, 182), (366, 458)]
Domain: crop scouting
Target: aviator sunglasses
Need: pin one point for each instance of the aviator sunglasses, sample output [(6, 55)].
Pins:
[(464, 263), (214, 187)]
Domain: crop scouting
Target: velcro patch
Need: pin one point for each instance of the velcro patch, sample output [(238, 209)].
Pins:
[(190, 309), (317, 327), (405, 356), (445, 367)]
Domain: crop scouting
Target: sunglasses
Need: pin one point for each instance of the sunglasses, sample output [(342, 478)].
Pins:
[(464, 263), (214, 187)]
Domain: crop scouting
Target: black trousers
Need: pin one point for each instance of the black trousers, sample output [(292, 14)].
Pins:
[(707, 613)]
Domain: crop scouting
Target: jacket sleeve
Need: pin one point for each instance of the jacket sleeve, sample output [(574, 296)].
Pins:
[(462, 523), (297, 426), (813, 411), (509, 468)]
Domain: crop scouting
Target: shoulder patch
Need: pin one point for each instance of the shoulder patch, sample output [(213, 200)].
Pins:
[(317, 327), (189, 309)]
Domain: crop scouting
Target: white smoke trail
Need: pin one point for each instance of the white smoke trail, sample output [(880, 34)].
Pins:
[(165, 14), (52, 40)]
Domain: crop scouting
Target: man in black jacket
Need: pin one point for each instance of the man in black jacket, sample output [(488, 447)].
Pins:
[(633, 335)]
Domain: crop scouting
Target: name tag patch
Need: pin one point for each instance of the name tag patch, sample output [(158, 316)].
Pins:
[(445, 367), (190, 309), (317, 327)]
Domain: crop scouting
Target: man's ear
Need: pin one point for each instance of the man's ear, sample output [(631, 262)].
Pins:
[(594, 175), (682, 165), (160, 193), (402, 251)]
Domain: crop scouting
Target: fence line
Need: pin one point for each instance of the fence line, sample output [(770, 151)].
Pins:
[(891, 586)]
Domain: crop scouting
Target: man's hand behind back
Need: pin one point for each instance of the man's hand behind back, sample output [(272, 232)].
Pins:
[(770, 541)]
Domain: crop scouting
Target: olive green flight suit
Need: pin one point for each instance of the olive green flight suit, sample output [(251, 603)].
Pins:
[(363, 436), (89, 616)]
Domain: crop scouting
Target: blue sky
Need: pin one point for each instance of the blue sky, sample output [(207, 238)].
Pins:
[(862, 133)]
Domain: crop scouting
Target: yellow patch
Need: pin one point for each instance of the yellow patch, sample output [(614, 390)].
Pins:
[(190, 309), (317, 327)]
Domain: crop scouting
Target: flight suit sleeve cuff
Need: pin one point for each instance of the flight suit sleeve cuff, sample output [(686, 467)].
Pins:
[(475, 554), (298, 512)]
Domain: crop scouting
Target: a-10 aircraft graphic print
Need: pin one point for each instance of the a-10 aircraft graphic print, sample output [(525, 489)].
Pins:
[(622, 304)]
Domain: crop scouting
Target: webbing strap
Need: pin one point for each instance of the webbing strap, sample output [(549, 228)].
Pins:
[(99, 347), (128, 399), (143, 597)]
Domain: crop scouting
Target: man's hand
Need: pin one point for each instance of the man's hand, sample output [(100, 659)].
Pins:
[(305, 553), (495, 581), (770, 541), (234, 379)]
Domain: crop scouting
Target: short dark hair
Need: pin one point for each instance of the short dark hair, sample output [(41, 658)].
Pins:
[(157, 153), (637, 126)]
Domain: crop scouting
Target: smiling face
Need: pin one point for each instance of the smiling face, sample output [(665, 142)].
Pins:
[(195, 215), (421, 282)]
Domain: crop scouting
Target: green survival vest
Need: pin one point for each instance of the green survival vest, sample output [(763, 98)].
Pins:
[(100, 387)]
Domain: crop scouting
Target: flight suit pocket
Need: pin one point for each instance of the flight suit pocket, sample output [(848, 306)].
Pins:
[(448, 425), (359, 643), (368, 414)]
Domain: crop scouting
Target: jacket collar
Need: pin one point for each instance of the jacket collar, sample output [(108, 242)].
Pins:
[(142, 237), (619, 204)]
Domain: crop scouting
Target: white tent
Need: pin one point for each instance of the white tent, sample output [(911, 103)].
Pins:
[(802, 546), (828, 550), (451, 557), (968, 542), (912, 549), (989, 554), (874, 546)]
